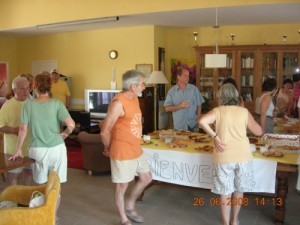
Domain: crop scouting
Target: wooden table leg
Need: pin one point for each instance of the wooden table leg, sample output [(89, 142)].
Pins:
[(3, 177), (282, 191)]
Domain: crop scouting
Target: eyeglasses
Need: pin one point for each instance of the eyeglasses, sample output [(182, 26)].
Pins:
[(23, 89)]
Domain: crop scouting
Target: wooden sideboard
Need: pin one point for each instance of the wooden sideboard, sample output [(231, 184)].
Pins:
[(147, 107)]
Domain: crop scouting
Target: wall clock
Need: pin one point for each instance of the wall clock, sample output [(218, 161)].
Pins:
[(113, 54)]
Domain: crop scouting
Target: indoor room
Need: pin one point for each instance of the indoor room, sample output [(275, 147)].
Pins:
[(93, 43)]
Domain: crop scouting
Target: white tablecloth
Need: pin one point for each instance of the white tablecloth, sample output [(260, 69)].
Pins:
[(195, 170)]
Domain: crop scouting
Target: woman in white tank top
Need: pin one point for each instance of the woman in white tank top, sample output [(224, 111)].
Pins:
[(264, 106)]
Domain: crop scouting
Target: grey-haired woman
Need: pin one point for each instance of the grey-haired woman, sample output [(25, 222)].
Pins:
[(232, 157)]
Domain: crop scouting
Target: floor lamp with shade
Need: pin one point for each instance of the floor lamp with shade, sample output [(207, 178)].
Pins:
[(156, 77)]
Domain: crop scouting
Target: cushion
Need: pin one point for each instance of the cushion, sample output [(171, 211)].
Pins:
[(7, 204)]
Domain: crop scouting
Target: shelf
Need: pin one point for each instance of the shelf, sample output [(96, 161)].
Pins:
[(249, 65)]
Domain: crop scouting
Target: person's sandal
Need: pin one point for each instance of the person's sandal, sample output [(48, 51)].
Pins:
[(134, 216), (126, 223)]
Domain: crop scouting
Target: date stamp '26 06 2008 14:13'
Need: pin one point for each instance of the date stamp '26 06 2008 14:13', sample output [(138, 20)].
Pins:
[(258, 201)]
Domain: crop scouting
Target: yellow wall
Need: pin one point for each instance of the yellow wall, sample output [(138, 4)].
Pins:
[(20, 13), (84, 55), (160, 41), (180, 41), (8, 54)]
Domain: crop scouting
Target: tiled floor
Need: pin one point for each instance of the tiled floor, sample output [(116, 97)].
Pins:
[(88, 200)]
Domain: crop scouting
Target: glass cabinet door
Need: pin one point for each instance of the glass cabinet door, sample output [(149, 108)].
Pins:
[(206, 80), (247, 72), (269, 65), (224, 73), (289, 64)]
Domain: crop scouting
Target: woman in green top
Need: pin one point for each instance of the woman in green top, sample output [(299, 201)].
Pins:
[(43, 116)]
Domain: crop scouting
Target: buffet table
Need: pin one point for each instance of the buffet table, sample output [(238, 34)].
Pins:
[(191, 166), (286, 125)]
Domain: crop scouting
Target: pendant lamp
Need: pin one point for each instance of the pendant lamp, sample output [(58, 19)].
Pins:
[(215, 60)]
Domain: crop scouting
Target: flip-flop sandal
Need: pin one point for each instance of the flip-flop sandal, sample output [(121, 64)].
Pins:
[(134, 217)]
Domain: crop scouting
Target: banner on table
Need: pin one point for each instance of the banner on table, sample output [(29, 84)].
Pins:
[(195, 170)]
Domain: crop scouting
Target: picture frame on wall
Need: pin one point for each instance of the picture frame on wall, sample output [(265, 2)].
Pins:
[(146, 69)]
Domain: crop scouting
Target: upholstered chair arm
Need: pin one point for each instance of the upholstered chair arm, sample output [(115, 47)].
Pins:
[(85, 137), (20, 194)]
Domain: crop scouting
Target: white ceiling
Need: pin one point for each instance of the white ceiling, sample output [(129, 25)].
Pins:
[(239, 15)]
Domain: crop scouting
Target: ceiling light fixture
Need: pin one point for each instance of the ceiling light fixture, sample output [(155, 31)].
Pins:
[(232, 38), (215, 60), (78, 22), (284, 39), (195, 38)]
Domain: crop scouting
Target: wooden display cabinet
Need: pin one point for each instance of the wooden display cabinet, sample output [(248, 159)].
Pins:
[(248, 65), (147, 107), (207, 79)]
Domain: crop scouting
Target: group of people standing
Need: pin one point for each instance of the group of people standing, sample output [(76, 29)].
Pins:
[(121, 131), (232, 158), (32, 127)]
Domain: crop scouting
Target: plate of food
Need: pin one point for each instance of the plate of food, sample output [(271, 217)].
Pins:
[(205, 148), (202, 139), (253, 140), (146, 142), (177, 145), (154, 134), (287, 149), (270, 153)]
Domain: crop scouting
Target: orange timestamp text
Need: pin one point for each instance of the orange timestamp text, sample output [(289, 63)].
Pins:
[(198, 202)]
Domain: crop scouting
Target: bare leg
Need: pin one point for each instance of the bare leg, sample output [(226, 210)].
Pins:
[(120, 190), (143, 180), (236, 207), (12, 178), (27, 177), (225, 209)]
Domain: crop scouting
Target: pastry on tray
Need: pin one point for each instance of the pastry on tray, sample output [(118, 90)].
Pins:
[(287, 148), (253, 140), (154, 134), (272, 153), (205, 148), (177, 145), (146, 142)]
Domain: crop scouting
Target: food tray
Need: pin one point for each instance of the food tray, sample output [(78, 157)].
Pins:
[(167, 136), (267, 156), (276, 140)]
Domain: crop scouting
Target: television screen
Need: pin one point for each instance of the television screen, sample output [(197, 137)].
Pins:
[(97, 101)]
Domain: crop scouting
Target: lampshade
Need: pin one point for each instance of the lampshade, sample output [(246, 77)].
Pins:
[(215, 60), (157, 77)]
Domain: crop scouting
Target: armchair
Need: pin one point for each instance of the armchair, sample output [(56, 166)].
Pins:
[(92, 149), (19, 194)]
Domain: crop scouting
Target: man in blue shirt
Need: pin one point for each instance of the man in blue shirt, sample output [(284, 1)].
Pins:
[(184, 101)]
